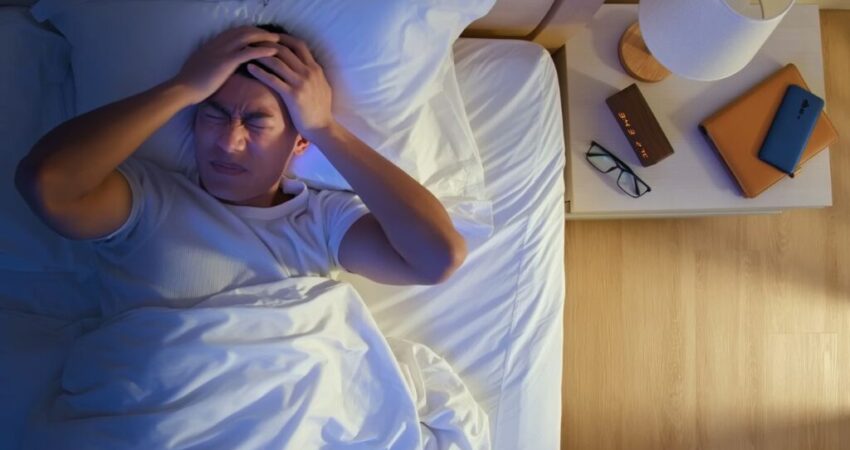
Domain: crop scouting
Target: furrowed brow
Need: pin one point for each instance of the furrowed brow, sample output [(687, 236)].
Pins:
[(261, 114)]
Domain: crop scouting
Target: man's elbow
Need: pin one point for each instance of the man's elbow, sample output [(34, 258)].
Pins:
[(36, 185), (26, 177), (452, 258)]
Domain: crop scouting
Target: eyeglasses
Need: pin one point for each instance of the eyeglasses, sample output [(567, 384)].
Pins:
[(605, 161)]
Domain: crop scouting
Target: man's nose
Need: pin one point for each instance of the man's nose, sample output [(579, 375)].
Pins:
[(233, 137)]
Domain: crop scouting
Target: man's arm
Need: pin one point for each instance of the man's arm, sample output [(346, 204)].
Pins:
[(409, 237), (414, 222), (69, 177)]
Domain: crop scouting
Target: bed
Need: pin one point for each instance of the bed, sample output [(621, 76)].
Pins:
[(499, 320)]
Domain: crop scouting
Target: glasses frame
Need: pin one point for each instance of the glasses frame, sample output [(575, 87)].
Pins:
[(618, 164)]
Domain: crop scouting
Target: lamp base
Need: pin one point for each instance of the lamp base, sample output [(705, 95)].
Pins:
[(636, 59)]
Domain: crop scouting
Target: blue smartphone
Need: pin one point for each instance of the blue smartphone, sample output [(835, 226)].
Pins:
[(791, 128)]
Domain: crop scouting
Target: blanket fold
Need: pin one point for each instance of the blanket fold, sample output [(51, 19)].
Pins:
[(297, 364)]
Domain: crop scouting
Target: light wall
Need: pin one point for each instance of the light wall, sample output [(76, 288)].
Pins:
[(824, 4)]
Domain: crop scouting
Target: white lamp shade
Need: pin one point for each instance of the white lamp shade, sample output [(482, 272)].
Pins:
[(702, 39)]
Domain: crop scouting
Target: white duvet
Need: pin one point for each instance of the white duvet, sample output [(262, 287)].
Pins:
[(297, 364)]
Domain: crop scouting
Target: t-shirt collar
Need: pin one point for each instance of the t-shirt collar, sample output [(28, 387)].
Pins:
[(289, 186)]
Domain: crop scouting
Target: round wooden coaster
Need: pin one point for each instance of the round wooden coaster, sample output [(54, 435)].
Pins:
[(636, 59)]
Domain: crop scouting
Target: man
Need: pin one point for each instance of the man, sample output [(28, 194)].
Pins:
[(165, 239)]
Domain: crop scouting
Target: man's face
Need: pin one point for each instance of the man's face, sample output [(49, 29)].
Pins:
[(246, 126)]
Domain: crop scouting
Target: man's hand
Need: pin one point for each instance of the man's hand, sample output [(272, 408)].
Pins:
[(408, 238), (208, 68), (300, 82)]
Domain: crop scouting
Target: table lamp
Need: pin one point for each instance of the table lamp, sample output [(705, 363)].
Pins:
[(702, 40)]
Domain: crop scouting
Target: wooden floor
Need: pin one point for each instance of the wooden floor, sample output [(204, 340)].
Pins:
[(716, 333)]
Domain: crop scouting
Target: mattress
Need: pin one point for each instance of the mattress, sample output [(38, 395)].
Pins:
[(498, 321)]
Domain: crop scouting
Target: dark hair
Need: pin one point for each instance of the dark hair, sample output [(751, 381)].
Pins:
[(243, 68)]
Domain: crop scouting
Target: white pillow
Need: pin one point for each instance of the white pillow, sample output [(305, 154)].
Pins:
[(37, 94), (388, 61)]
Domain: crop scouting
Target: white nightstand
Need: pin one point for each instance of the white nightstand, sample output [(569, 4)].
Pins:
[(694, 180)]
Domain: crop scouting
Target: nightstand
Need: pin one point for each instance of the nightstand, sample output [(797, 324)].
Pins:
[(694, 181)]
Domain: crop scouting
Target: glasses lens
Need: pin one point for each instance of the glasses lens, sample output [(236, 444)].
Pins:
[(601, 160), (632, 185)]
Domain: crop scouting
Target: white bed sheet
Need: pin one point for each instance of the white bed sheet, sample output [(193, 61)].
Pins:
[(498, 321)]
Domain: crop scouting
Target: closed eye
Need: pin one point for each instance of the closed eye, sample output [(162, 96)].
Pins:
[(210, 112), (214, 116), (257, 124)]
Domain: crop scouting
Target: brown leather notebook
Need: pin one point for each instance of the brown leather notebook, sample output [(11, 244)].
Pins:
[(738, 129)]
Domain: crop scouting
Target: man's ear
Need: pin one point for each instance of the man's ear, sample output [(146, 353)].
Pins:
[(301, 145)]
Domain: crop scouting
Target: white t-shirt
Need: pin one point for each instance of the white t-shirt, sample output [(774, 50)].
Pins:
[(180, 244)]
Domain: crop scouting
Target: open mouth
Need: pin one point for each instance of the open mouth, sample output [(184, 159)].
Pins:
[(226, 169)]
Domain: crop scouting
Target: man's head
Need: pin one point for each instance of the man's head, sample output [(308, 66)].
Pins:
[(245, 124)]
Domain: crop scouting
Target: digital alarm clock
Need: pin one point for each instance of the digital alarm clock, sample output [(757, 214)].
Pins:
[(642, 130)]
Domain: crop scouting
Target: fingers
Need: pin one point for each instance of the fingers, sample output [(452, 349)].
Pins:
[(289, 58), (287, 64), (249, 38), (296, 64), (299, 47), (281, 69), (249, 53), (286, 55), (238, 37), (235, 38), (270, 79)]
